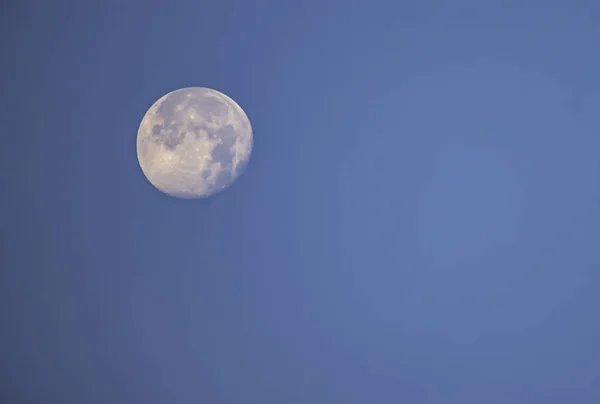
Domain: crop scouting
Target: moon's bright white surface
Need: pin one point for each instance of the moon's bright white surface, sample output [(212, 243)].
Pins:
[(194, 142)]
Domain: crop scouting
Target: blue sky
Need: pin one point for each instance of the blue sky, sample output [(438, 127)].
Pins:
[(419, 221)]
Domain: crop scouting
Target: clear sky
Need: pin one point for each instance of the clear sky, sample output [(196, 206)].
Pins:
[(419, 223)]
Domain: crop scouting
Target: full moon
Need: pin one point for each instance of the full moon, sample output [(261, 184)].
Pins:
[(194, 142)]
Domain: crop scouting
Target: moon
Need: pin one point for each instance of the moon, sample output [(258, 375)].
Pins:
[(194, 142)]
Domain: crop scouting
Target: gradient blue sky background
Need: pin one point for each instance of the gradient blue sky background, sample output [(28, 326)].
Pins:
[(420, 221)]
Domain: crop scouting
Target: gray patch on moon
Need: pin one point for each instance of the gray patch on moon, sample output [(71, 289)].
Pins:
[(206, 173), (241, 167), (227, 135), (222, 180), (222, 154), (168, 135)]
